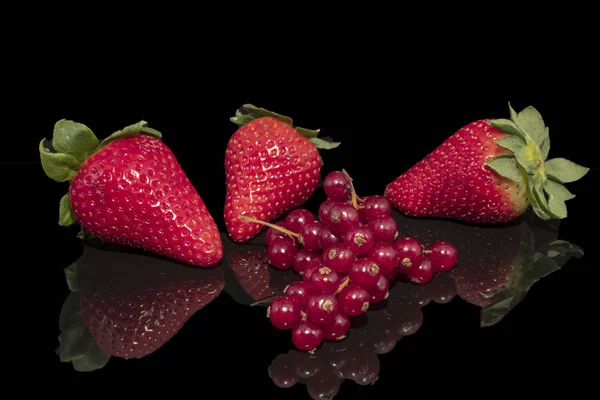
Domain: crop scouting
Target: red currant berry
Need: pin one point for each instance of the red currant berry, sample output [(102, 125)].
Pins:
[(380, 291), (338, 328), (282, 253), (309, 271), (353, 300), (422, 274), (328, 239), (376, 207), (297, 218), (364, 272), (337, 186), (307, 336), (284, 313), (410, 253), (322, 308), (360, 240), (273, 234), (325, 210), (384, 229), (305, 259), (385, 257), (339, 258), (282, 371), (342, 218), (310, 235), (299, 292), (443, 256), (324, 280)]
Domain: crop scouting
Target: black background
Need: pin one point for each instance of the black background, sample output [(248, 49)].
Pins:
[(389, 109)]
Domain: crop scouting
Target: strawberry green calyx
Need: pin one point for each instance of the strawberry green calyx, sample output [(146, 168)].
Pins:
[(249, 112), (71, 144), (528, 145)]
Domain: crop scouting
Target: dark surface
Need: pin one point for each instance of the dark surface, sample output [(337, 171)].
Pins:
[(228, 346)]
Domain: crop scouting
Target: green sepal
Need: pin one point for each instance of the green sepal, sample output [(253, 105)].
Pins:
[(323, 144), (506, 166), (74, 139), (518, 148), (530, 121), (60, 167), (131, 130), (545, 147), (71, 277), (533, 202), (85, 235), (66, 217), (249, 112), (507, 126), (564, 171)]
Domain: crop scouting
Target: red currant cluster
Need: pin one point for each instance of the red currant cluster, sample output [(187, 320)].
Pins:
[(347, 259)]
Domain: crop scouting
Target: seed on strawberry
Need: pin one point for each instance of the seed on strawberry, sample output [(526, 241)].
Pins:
[(130, 189), (271, 167), (489, 171)]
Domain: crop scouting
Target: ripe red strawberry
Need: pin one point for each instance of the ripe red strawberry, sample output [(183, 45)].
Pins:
[(489, 171), (130, 189), (133, 303), (271, 168)]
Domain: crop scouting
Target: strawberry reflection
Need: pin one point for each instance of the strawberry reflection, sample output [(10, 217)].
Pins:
[(128, 303), (497, 265), (355, 358)]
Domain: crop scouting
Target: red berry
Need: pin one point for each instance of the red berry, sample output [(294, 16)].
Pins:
[(297, 218), (322, 308), (282, 253), (309, 271), (339, 258), (307, 336), (410, 253), (422, 274), (380, 291), (385, 257), (273, 234), (376, 207), (353, 300), (385, 229), (360, 240), (337, 186), (443, 256), (284, 313), (325, 209), (324, 280), (342, 218), (328, 239), (299, 292), (364, 272), (311, 235), (305, 259), (338, 328)]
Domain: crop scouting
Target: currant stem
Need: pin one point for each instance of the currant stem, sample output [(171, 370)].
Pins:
[(270, 225), (266, 299), (352, 191), (342, 286)]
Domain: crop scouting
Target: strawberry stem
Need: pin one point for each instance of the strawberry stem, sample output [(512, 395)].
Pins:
[(354, 197), (270, 225)]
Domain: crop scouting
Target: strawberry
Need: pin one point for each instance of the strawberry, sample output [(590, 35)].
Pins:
[(271, 168), (489, 171), (130, 189)]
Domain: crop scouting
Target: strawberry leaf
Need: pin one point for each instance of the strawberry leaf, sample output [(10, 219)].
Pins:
[(131, 130), (535, 204), (537, 186), (323, 144), (556, 189), (506, 166), (74, 139), (60, 167), (71, 276), (530, 121), (249, 112), (520, 151), (545, 147), (66, 217), (564, 171), (508, 127)]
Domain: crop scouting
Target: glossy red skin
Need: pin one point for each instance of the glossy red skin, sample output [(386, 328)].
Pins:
[(337, 186), (380, 291), (385, 229), (284, 313), (328, 239), (376, 207), (325, 209), (305, 259), (443, 256), (337, 328), (422, 274), (360, 240), (297, 218), (353, 300), (339, 258), (342, 218), (282, 254), (385, 257), (273, 234), (364, 272), (454, 181), (134, 192), (311, 235), (307, 336), (134, 307), (322, 308), (324, 281), (409, 251), (270, 169), (299, 292)]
